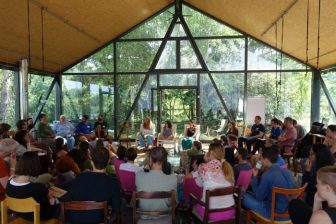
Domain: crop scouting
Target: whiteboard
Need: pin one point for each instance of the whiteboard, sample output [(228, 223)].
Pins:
[(255, 106)]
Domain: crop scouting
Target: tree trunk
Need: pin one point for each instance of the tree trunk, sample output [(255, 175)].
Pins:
[(4, 97)]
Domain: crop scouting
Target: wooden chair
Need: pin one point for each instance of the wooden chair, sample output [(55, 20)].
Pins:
[(25, 206), (83, 206), (289, 194), (154, 195), (123, 132), (197, 218), (290, 155)]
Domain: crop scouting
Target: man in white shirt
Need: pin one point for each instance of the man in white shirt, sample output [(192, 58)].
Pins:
[(131, 155)]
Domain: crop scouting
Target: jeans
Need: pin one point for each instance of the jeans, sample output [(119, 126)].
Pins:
[(149, 138), (70, 142), (249, 143)]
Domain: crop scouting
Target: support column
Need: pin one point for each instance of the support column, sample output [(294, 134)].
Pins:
[(23, 88), (17, 95), (315, 96), (59, 97)]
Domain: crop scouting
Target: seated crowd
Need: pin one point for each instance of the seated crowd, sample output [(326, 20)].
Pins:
[(91, 171)]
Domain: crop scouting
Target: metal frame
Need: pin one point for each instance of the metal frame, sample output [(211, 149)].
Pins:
[(330, 99)]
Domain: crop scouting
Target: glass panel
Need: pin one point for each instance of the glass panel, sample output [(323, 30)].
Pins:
[(102, 61), (262, 57), (326, 113), (188, 56), (38, 86), (168, 56), (7, 98), (90, 95), (212, 110), (178, 31), (178, 80), (330, 80), (292, 98), (223, 54), (136, 56), (154, 28), (202, 25), (231, 87)]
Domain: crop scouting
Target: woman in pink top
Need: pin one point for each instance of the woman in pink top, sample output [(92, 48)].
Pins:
[(287, 139)]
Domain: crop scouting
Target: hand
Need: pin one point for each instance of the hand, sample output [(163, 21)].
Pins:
[(255, 172)]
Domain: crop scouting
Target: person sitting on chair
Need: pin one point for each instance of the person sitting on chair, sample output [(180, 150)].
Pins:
[(242, 154), (196, 149), (167, 132), (84, 128), (261, 199), (131, 154), (232, 130), (65, 129), (190, 133), (287, 139), (100, 127), (45, 132), (276, 129), (330, 139), (257, 131), (147, 132)]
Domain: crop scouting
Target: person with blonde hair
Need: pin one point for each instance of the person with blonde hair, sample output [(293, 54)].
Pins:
[(301, 213), (147, 132), (216, 173)]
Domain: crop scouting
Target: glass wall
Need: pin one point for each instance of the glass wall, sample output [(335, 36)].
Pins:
[(326, 113), (7, 97)]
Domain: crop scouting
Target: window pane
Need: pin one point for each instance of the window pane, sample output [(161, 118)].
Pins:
[(223, 54), (7, 97), (178, 80), (201, 25), (38, 86), (188, 56), (102, 61), (327, 113), (168, 56), (178, 31), (154, 28), (330, 80), (136, 56)]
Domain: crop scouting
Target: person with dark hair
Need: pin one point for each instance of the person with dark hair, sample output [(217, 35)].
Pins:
[(21, 125), (273, 176), (156, 180), (23, 138), (232, 130), (84, 162), (84, 128), (257, 131), (94, 186), (167, 131), (44, 131), (324, 209), (276, 129), (4, 129), (101, 127), (230, 149), (242, 154), (320, 156), (287, 139), (330, 139), (190, 132), (21, 187), (31, 128), (301, 131), (185, 156), (131, 154)]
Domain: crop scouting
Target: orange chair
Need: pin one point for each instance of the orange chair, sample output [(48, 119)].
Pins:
[(289, 193)]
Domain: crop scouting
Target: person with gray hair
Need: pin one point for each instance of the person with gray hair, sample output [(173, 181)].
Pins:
[(7, 163), (66, 130)]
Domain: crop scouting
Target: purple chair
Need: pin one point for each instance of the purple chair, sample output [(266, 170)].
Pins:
[(190, 186), (244, 179), (127, 181)]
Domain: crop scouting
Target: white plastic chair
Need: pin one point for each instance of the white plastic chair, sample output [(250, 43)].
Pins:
[(168, 142)]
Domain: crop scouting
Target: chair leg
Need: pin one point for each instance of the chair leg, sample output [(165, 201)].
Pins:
[(248, 217)]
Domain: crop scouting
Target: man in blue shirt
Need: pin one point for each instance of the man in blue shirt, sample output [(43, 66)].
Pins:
[(84, 128), (276, 129), (273, 176)]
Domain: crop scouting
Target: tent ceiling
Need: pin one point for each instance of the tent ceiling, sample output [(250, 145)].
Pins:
[(73, 29)]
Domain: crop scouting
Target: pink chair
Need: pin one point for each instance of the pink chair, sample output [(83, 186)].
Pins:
[(190, 186), (116, 164), (127, 181), (284, 166), (244, 179)]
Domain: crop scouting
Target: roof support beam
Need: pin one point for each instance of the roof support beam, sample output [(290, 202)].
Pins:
[(315, 96)]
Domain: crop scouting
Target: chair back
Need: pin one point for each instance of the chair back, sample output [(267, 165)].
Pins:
[(223, 124), (235, 191), (174, 128), (244, 179), (117, 163), (289, 194), (83, 206), (197, 131), (26, 205), (154, 195), (190, 186), (127, 180)]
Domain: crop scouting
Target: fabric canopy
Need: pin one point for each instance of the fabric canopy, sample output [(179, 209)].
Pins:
[(76, 28)]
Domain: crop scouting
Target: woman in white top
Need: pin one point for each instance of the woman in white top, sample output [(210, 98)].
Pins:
[(147, 132), (216, 173)]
